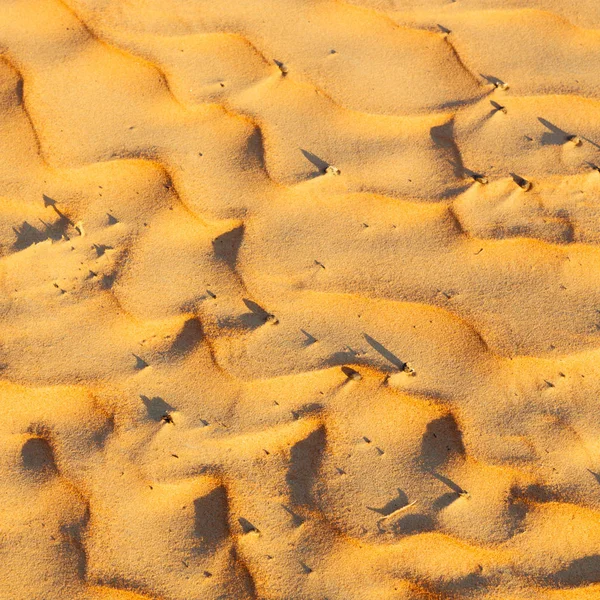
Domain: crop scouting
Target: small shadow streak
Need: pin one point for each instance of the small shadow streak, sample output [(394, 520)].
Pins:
[(595, 144), (315, 160), (190, 335), (596, 475), (211, 524), (310, 339), (580, 572), (555, 135), (393, 505), (246, 526), (491, 79), (297, 519), (157, 408), (258, 310), (256, 317), (453, 486), (444, 500), (497, 107), (411, 524), (351, 373), (384, 352), (37, 456), (48, 201), (140, 363), (52, 203), (227, 246), (27, 235), (460, 170), (520, 181)]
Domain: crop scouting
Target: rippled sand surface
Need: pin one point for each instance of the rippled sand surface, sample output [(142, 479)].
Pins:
[(300, 299)]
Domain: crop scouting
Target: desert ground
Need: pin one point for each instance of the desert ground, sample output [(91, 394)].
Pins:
[(300, 299)]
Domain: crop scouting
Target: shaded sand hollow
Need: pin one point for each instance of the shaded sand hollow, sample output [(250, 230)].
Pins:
[(300, 299)]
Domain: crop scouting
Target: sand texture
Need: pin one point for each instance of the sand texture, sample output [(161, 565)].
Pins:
[(300, 299)]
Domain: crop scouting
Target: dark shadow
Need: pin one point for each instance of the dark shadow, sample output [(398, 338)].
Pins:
[(442, 440), (107, 281), (246, 526), (416, 523), (281, 66), (555, 136), (100, 436), (241, 575), (461, 170), (384, 352), (410, 524), (52, 203), (491, 79), (351, 373), (227, 246), (120, 582), (255, 149), (444, 500), (595, 144), (37, 456), (340, 358), (157, 408), (190, 335), (210, 518), (111, 220), (582, 571), (57, 230), (297, 519), (27, 235), (140, 363), (540, 493), (462, 585), (315, 160), (517, 511), (520, 181), (75, 532), (568, 233), (48, 201), (101, 249), (256, 317), (446, 481), (443, 137), (307, 409), (305, 463), (596, 475), (256, 309), (497, 107), (19, 90), (393, 505), (305, 568), (443, 29), (310, 339)]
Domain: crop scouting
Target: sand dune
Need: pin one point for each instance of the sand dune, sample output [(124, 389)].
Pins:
[(300, 299)]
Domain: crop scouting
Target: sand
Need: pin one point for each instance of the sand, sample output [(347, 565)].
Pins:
[(300, 299)]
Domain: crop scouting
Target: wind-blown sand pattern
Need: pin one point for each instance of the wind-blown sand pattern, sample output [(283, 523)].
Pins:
[(300, 299)]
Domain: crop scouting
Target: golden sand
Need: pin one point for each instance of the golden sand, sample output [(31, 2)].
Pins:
[(300, 299)]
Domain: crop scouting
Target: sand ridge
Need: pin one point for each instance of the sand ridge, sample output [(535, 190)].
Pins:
[(299, 299)]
